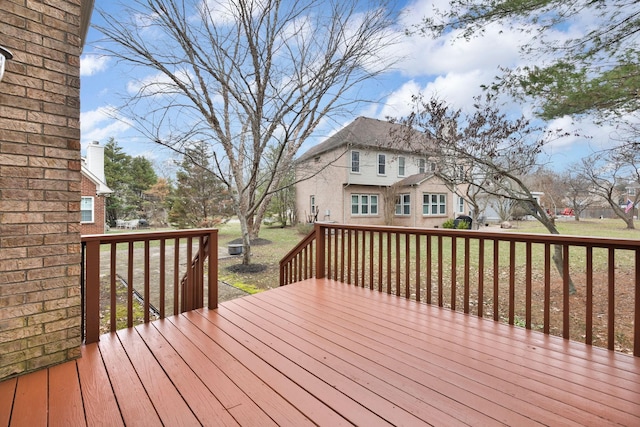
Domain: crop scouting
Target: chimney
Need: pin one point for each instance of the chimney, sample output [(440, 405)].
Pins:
[(95, 160)]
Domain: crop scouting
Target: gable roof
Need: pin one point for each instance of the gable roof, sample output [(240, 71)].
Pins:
[(365, 132), (101, 187), (416, 179)]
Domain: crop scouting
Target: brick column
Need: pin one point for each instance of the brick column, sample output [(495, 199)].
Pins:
[(39, 185)]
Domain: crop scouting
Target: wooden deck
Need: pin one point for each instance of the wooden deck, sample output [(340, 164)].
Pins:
[(322, 352)]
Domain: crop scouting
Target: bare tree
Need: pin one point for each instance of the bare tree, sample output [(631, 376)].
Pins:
[(247, 76), (609, 173), (389, 197), (551, 184), (578, 195), (486, 150)]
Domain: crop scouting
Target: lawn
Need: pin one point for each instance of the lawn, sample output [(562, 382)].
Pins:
[(283, 239), (613, 228)]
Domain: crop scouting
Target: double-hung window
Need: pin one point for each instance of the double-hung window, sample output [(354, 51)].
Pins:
[(312, 202), (382, 164), (422, 165), (403, 204), (434, 204), (355, 161), (86, 209), (401, 166)]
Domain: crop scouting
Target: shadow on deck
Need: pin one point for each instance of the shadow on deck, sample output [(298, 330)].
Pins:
[(326, 353)]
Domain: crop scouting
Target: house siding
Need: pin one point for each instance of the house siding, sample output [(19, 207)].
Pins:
[(332, 183), (322, 183), (40, 183), (369, 167)]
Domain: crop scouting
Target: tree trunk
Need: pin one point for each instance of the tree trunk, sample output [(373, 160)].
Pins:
[(558, 257), (629, 222), (558, 261), (246, 240), (620, 213)]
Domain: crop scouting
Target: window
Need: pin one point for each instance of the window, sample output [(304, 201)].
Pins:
[(460, 172), (403, 204), (401, 163), (382, 164), (355, 162), (631, 191), (312, 202), (364, 204), (434, 204), (86, 209), (460, 205), (423, 166)]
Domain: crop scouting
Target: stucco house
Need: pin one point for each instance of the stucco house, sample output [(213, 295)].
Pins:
[(367, 174), (94, 191)]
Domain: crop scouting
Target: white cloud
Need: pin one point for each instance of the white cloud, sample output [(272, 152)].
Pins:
[(101, 124), (220, 12), (157, 84), (398, 104), (92, 64)]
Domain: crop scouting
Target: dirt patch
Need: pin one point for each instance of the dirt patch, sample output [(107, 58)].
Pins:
[(247, 269)]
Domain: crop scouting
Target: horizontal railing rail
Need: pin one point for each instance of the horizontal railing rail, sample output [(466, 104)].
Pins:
[(163, 272), (581, 288)]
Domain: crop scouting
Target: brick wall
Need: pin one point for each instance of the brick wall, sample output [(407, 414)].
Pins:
[(97, 226), (39, 185)]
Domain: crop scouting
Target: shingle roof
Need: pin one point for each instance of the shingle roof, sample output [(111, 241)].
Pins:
[(365, 132), (416, 179)]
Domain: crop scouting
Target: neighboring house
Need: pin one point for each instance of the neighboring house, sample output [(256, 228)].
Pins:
[(365, 175), (497, 209), (94, 191)]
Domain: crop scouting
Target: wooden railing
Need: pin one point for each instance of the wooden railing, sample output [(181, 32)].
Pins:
[(298, 264), (521, 279), (163, 272)]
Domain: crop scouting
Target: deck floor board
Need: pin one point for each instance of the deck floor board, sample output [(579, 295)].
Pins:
[(321, 352)]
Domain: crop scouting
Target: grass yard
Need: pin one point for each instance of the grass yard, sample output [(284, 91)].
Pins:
[(613, 228), (283, 239)]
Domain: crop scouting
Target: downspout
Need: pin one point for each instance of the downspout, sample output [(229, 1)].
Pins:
[(344, 204), (415, 213), (344, 187)]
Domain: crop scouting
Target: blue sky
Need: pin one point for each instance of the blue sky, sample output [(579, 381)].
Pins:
[(452, 71)]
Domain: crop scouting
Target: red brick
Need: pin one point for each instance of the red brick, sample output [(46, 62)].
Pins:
[(39, 190)]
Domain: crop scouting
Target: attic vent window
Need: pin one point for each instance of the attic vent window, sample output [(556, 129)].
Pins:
[(316, 159)]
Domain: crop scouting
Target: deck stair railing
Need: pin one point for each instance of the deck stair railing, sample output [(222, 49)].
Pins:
[(170, 270), (506, 276)]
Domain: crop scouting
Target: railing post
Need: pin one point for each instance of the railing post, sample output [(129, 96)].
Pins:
[(320, 251), (92, 292), (213, 269), (636, 325)]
